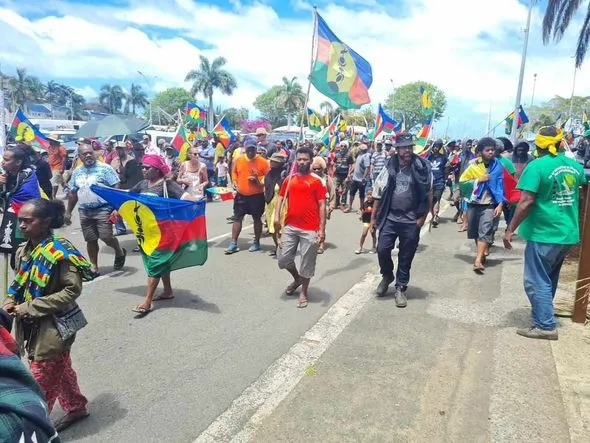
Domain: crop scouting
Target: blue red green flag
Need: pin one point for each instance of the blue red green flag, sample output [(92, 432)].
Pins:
[(384, 123), (223, 131), (314, 122), (24, 131), (172, 234), (522, 119), (181, 143), (194, 114), (339, 72)]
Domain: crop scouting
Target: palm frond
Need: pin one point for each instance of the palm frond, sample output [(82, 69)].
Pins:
[(583, 40), (566, 12), (550, 17), (218, 63)]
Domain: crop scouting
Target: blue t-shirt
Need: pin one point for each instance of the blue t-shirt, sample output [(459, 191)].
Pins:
[(438, 164), (83, 177)]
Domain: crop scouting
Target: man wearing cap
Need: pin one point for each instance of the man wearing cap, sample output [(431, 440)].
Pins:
[(263, 143), (95, 213), (548, 214), (247, 176), (403, 194), (378, 160), (57, 156), (342, 165), (359, 174)]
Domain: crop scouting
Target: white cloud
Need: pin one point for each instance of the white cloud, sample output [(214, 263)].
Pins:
[(87, 92), (469, 48)]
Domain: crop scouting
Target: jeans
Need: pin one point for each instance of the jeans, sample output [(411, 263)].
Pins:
[(542, 263), (409, 236)]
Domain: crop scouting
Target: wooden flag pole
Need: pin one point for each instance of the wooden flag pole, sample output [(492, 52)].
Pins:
[(304, 110), (5, 277)]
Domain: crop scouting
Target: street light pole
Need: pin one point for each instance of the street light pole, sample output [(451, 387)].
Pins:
[(521, 76), (572, 97)]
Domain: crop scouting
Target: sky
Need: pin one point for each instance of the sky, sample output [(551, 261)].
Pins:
[(471, 49)]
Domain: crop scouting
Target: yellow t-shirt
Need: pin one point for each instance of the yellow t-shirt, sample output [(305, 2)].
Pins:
[(219, 152)]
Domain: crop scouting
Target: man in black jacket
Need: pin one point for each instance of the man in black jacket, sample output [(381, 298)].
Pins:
[(403, 196)]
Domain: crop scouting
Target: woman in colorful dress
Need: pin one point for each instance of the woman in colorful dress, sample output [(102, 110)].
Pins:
[(42, 298), (192, 174)]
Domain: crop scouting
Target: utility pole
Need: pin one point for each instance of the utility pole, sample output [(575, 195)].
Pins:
[(521, 76), (572, 97), (150, 102), (392, 99)]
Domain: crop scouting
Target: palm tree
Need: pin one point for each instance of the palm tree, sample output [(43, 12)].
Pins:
[(111, 96), (136, 98), (291, 98), (208, 78), (20, 92), (558, 16)]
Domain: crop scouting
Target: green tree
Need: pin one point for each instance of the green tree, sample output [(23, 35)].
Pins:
[(407, 100), (171, 100), (327, 108), (268, 106), (291, 98), (136, 99), (235, 116), (558, 16), (111, 97), (208, 78), (25, 88)]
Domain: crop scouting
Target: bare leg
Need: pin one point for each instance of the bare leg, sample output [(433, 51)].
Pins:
[(363, 237), (374, 236), (92, 248), (304, 288), (482, 247), (236, 228), (274, 239), (257, 229), (167, 286), (152, 284), (114, 243)]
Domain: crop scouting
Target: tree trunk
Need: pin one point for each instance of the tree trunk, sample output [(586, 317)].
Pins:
[(211, 113), (133, 108), (289, 120)]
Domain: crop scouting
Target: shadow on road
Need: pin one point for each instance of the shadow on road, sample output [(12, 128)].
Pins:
[(353, 264), (315, 294), (517, 318), (104, 410), (182, 299), (490, 262)]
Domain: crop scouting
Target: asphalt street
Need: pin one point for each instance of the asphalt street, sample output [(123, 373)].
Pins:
[(167, 376)]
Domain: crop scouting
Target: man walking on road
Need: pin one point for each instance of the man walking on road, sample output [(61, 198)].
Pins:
[(359, 173), (248, 176), (439, 165), (548, 216), (305, 223), (402, 192), (96, 216)]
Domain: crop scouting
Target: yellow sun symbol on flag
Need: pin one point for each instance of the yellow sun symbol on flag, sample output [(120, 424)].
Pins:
[(24, 133), (143, 223)]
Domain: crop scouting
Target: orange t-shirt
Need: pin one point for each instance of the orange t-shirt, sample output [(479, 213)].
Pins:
[(244, 168), (56, 157)]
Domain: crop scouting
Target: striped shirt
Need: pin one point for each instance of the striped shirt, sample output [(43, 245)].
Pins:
[(378, 160)]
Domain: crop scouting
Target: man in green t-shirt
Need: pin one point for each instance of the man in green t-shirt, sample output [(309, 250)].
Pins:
[(548, 215)]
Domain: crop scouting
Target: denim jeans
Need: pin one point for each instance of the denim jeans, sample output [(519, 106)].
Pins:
[(409, 236), (542, 263)]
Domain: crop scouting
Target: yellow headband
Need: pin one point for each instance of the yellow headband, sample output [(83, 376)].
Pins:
[(548, 142)]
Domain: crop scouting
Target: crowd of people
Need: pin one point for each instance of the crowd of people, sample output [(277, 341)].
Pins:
[(293, 189)]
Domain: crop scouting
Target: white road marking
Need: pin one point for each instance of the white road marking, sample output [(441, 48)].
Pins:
[(261, 398), (122, 272)]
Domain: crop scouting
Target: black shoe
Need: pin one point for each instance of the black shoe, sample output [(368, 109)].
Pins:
[(383, 285), (401, 301)]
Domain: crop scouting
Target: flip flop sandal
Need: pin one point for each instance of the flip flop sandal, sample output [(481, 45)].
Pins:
[(142, 311), (160, 298), (302, 304), (479, 269), (120, 261), (94, 274)]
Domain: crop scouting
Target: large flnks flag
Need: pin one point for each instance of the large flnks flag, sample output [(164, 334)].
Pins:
[(223, 131), (24, 131), (338, 71), (425, 101), (194, 114), (171, 233), (522, 119)]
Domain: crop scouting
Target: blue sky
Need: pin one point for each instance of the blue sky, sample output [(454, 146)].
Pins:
[(469, 48)]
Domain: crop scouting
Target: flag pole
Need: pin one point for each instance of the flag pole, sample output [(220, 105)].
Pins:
[(304, 110)]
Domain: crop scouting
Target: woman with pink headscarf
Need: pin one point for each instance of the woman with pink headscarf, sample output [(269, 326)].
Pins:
[(155, 182)]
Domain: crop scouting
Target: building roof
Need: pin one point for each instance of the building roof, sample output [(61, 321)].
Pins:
[(38, 108)]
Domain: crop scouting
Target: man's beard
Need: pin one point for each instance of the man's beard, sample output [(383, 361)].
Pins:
[(303, 169)]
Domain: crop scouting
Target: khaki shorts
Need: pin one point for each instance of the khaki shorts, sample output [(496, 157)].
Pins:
[(57, 178), (96, 225), (291, 238)]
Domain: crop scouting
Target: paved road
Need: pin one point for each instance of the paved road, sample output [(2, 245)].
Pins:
[(167, 376)]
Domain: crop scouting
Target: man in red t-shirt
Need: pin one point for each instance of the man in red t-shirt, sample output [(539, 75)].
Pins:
[(305, 223)]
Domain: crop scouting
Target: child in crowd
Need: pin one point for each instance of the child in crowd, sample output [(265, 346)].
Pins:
[(366, 219), (222, 172)]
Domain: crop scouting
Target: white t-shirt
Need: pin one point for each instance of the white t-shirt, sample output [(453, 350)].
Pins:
[(222, 169)]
